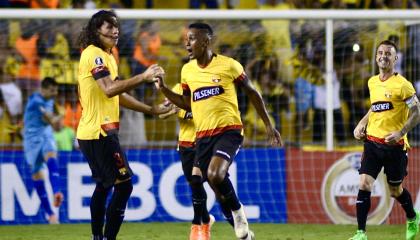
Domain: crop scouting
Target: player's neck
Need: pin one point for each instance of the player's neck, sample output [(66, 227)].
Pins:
[(205, 59), (385, 74)]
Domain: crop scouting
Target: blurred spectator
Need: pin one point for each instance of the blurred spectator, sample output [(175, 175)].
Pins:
[(86, 4), (337, 4), (19, 3), (55, 53), (11, 95), (320, 103), (44, 3), (278, 33), (146, 53), (4, 3), (68, 106), (275, 95), (65, 138), (353, 72), (214, 4), (302, 92), (28, 47), (196, 4), (72, 107), (253, 126)]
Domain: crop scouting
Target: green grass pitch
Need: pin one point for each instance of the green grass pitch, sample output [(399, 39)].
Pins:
[(220, 231)]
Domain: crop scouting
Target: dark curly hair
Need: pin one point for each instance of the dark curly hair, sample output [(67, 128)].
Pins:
[(89, 34)]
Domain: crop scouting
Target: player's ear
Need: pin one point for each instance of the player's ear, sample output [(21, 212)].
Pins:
[(396, 57)]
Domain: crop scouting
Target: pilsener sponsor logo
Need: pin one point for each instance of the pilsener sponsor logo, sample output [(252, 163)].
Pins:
[(206, 92), (381, 106)]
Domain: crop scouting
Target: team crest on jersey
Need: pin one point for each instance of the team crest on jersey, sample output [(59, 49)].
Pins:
[(216, 79), (388, 94), (381, 106), (99, 61), (206, 92)]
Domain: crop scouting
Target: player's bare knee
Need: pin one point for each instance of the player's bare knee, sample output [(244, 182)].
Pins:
[(366, 182), (215, 177), (49, 155), (365, 186)]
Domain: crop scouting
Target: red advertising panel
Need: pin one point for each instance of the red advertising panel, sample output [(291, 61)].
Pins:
[(322, 187)]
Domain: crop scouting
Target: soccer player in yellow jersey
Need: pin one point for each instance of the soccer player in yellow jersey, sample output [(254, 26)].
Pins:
[(202, 220), (394, 111), (101, 93), (208, 81)]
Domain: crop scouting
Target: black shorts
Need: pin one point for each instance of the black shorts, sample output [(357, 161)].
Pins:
[(225, 145), (392, 158), (187, 155), (106, 160)]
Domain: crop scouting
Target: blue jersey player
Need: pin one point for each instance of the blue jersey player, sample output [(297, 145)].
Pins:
[(39, 145)]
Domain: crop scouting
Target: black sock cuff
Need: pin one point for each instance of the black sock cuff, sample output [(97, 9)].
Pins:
[(363, 194), (196, 180), (403, 196)]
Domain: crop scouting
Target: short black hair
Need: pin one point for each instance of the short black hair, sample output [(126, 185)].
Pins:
[(48, 81), (202, 26), (389, 43)]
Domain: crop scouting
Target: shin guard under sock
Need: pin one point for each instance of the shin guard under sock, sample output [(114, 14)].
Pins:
[(226, 212), (116, 209), (199, 200), (362, 206), (97, 210), (228, 192), (407, 204)]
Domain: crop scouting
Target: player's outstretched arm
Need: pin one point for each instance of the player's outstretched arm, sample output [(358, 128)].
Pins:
[(131, 103), (177, 99), (256, 100), (113, 88), (360, 130)]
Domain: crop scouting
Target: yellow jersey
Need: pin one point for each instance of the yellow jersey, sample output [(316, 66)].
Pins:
[(214, 102), (186, 135), (100, 114), (389, 111)]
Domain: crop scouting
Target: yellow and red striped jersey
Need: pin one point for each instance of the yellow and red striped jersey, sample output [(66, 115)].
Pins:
[(100, 114), (214, 103), (389, 111)]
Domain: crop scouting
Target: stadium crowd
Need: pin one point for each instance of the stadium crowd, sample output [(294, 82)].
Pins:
[(283, 58)]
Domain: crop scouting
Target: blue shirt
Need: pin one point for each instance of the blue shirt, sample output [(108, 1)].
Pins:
[(34, 124)]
